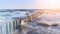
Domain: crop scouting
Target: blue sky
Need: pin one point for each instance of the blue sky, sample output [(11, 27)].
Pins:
[(17, 3), (29, 4)]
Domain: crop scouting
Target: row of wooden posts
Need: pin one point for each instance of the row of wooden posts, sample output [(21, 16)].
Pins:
[(33, 17)]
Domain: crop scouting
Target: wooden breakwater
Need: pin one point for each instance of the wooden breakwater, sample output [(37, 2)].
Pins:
[(33, 17), (28, 18)]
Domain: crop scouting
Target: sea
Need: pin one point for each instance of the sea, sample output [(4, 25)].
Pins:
[(33, 27)]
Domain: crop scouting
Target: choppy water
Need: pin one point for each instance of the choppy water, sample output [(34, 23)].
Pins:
[(10, 15), (35, 27)]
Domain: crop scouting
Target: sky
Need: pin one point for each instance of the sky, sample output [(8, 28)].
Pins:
[(29, 4)]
